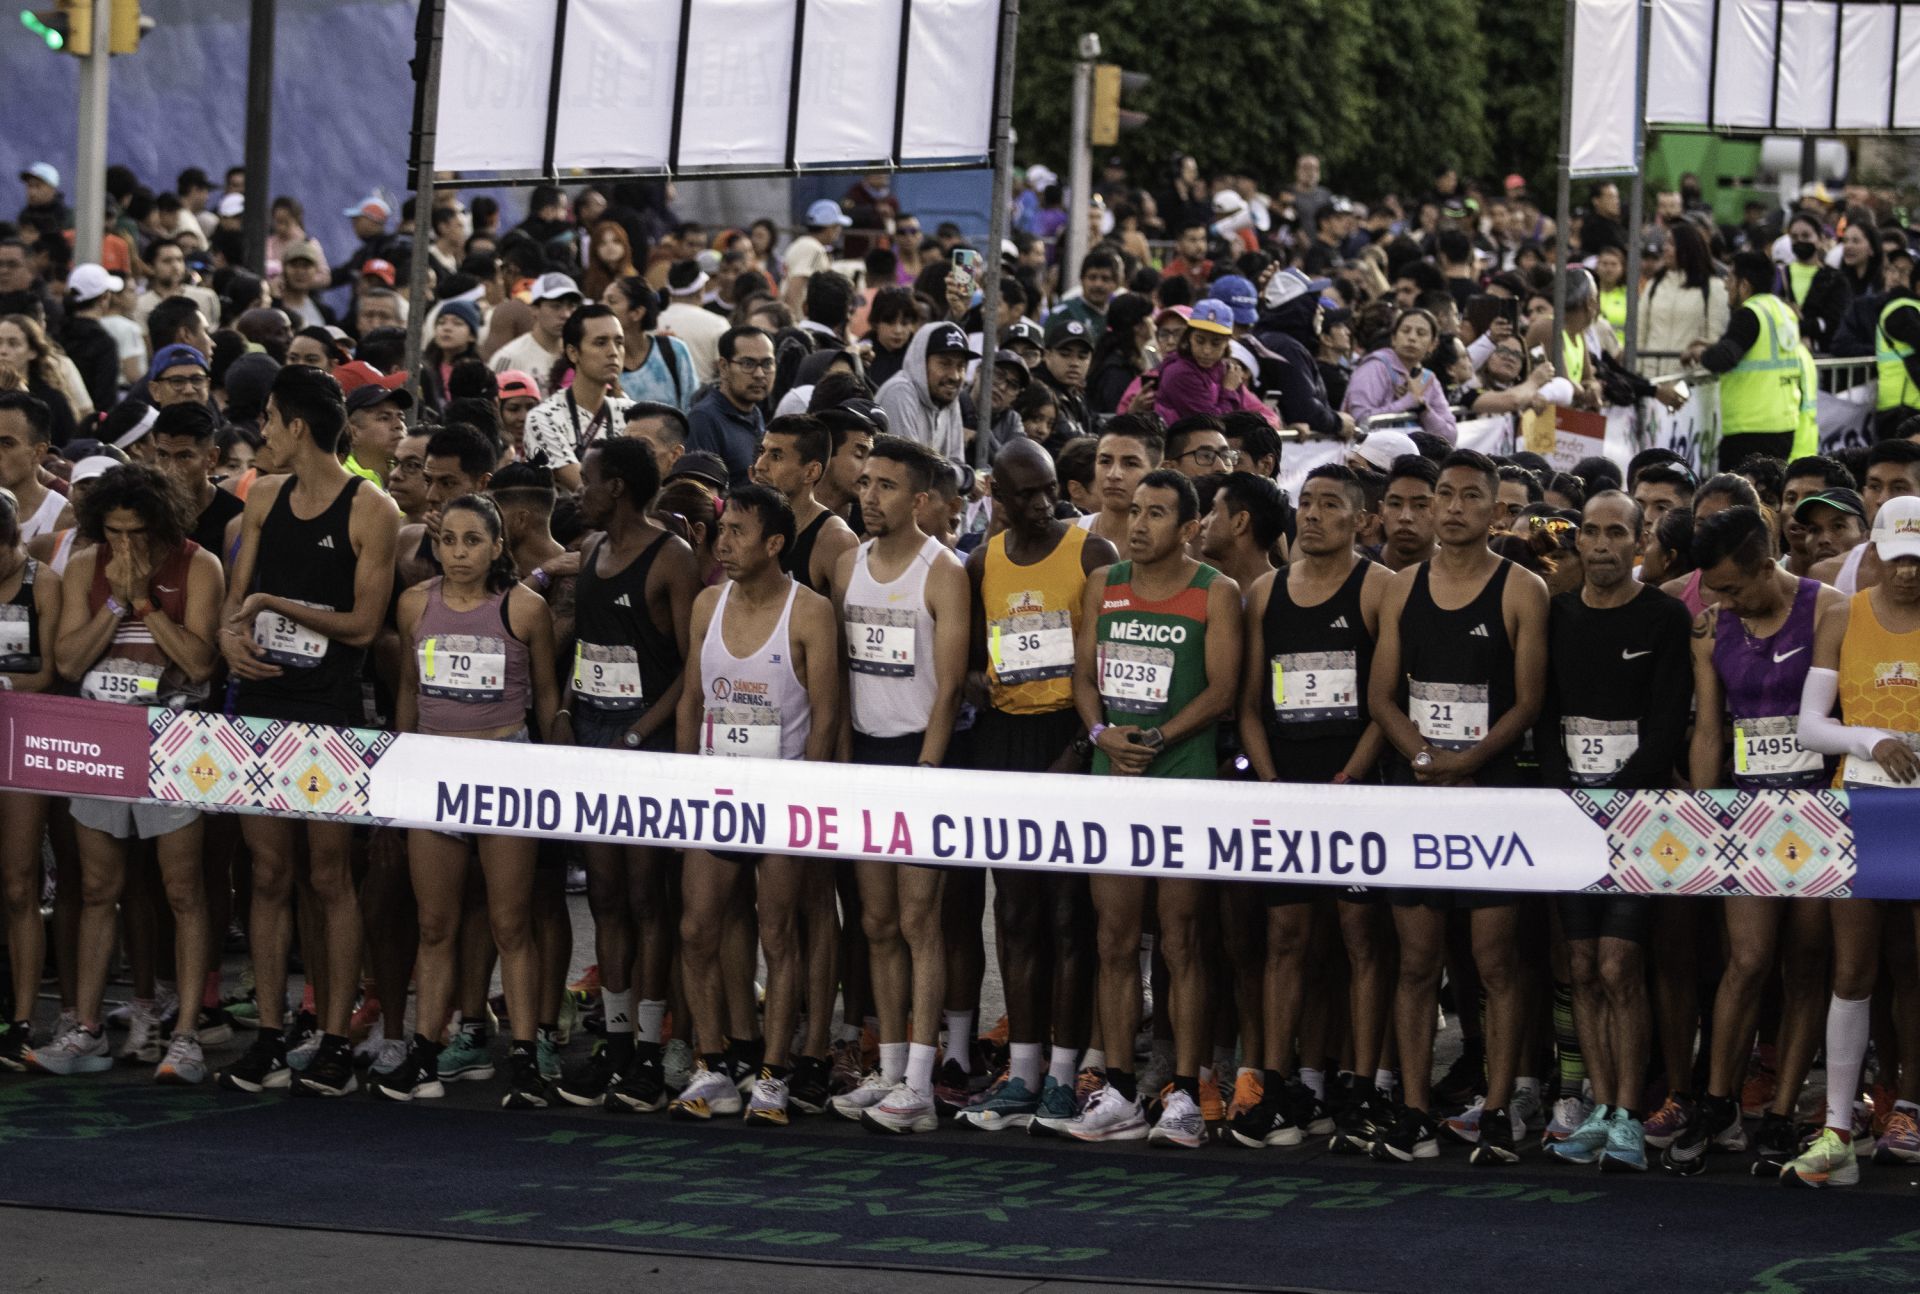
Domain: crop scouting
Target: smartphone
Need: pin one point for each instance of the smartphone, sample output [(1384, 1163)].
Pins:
[(966, 261), (1538, 354), (1484, 308)]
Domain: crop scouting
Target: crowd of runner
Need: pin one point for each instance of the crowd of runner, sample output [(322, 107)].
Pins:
[(659, 522)]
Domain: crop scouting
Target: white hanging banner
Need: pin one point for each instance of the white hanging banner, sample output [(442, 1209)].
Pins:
[(617, 80), (1604, 120), (496, 60), (849, 79)]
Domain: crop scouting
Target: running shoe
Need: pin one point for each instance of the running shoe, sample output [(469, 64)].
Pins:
[(214, 1027), (1900, 1143), (906, 1109), (1180, 1123), (1055, 1110), (1881, 1098), (768, 1104), (546, 1052), (467, 1058), (78, 1051), (144, 1044), (1829, 1161), (1086, 1083), (1009, 1103), (1686, 1156), (1757, 1093), (1465, 1079), (263, 1066), (807, 1090), (1158, 1071), (15, 1039), (1626, 1150), (1308, 1112), (368, 1048), (366, 1017), (1412, 1136), (1775, 1143), (952, 1088), (64, 1024), (1268, 1123), (1528, 1110), (1110, 1116), (676, 1061), (300, 1040), (1500, 1133), (526, 1090), (1464, 1127), (183, 1064), (643, 1087), (391, 1056), (414, 1079), (1570, 1114), (854, 1105), (846, 1073), (587, 988), (165, 1002), (1360, 1122), (589, 1082), (708, 1092), (329, 1073), (1213, 1102), (1666, 1122), (743, 1062), (1249, 1089), (1584, 1144)]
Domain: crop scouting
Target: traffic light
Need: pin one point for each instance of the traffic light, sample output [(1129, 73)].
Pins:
[(129, 25), (67, 29), (1109, 118)]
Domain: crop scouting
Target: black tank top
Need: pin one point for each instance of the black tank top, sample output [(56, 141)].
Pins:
[(312, 562), (20, 626), (1317, 662), (610, 619), (1459, 668), (798, 560)]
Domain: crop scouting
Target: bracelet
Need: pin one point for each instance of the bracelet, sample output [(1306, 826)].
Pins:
[(1093, 733), (113, 605), (541, 577), (564, 714), (926, 763), (1340, 778)]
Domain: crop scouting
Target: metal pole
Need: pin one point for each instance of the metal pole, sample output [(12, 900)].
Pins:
[(1564, 213), (1079, 166), (90, 170), (426, 119), (1634, 215), (257, 219), (996, 231)]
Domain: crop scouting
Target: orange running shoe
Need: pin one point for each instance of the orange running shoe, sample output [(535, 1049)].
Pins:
[(1881, 1098), (1213, 1105), (587, 987), (1248, 1089), (998, 1034), (1757, 1093)]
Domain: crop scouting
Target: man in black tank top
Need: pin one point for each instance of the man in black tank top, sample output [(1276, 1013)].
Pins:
[(633, 601), (793, 459), (308, 594), (1310, 631), (1457, 680)]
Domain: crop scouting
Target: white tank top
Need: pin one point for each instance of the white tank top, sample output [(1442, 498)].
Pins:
[(1848, 580), (43, 517), (755, 706), (890, 646)]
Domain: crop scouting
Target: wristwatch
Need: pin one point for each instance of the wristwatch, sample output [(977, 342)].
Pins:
[(1424, 760)]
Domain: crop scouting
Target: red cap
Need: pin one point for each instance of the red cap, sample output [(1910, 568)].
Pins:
[(379, 269), (514, 383), (352, 377)]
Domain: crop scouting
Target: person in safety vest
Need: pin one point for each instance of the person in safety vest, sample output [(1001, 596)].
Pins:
[(1762, 384), (1896, 352)]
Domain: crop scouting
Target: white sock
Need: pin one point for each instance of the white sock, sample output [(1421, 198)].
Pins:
[(619, 1007), (893, 1061), (649, 1021), (1383, 1080), (1060, 1065), (1024, 1064), (1848, 1024), (960, 1038), (1096, 1059), (920, 1058), (1316, 1082)]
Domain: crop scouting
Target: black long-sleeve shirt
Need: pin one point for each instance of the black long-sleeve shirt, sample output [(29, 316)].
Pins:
[(1631, 663)]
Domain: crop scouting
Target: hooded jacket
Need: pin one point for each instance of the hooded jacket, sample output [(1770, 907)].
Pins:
[(1287, 335), (912, 413)]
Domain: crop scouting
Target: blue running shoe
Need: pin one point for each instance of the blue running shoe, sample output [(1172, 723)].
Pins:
[(1626, 1150), (1584, 1144), (1011, 1104), (1055, 1110)]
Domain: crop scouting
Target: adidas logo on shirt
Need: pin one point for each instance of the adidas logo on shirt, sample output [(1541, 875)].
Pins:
[(1341, 623), (1478, 631), (622, 601), (326, 541)]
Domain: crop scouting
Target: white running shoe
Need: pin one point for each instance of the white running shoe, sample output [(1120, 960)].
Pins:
[(710, 1092), (768, 1104), (374, 1045), (1569, 1113), (184, 1063), (1110, 1116), (73, 1052), (676, 1062), (1181, 1123), (143, 1045), (872, 1091), (905, 1109), (165, 1002), (1528, 1110), (391, 1055)]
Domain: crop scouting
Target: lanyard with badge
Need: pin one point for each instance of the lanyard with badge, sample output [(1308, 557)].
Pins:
[(598, 420)]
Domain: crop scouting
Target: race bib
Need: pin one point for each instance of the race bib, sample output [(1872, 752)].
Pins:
[(463, 667), (289, 643), (880, 640), (16, 637), (129, 682), (743, 731), (607, 678), (1767, 750), (1030, 647), (1311, 687), (1868, 772), (1452, 716), (1597, 749), (1135, 679)]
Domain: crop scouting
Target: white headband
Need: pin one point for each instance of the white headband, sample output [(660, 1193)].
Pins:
[(140, 428)]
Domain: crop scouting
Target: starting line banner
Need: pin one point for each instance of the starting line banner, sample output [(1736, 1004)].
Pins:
[(1786, 844)]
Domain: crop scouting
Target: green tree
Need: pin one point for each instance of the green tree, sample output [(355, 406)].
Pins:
[(1523, 88)]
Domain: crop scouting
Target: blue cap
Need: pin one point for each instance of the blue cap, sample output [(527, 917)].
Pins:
[(1238, 293), (172, 357), (1212, 315), (826, 212)]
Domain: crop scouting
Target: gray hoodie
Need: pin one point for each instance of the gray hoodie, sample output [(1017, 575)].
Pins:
[(912, 413)]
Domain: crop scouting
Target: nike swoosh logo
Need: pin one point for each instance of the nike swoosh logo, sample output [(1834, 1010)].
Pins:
[(1635, 655), (1780, 656)]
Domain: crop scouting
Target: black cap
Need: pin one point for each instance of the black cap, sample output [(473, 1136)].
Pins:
[(1839, 498), (365, 397), (1025, 330), (1012, 361), (950, 339), (708, 468)]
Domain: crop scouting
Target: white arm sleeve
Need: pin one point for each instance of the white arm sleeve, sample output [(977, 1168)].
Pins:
[(1478, 349), (1559, 390), (1820, 731)]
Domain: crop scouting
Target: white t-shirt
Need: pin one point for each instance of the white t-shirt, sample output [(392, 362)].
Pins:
[(700, 329), (807, 255), (527, 354), (129, 336)]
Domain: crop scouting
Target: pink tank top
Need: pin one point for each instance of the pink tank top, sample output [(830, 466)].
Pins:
[(473, 671)]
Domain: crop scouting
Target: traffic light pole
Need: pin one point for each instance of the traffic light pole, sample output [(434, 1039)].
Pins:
[(997, 221), (90, 156), (1079, 166), (257, 219)]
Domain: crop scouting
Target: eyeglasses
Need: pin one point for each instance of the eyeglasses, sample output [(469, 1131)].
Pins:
[(1207, 456), (189, 382), (753, 365)]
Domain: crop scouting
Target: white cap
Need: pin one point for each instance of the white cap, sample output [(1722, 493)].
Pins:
[(88, 281), (88, 468), (826, 212), (44, 172), (551, 287), (231, 205), (1380, 448), (1040, 177), (1227, 202), (1896, 528), (1241, 354)]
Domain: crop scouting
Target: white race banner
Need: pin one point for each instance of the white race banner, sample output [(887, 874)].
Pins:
[(1492, 436), (1298, 457)]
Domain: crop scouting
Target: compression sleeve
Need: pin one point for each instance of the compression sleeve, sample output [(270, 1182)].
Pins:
[(1820, 731)]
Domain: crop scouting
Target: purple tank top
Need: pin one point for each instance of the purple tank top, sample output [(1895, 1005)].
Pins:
[(472, 670), (1762, 679)]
